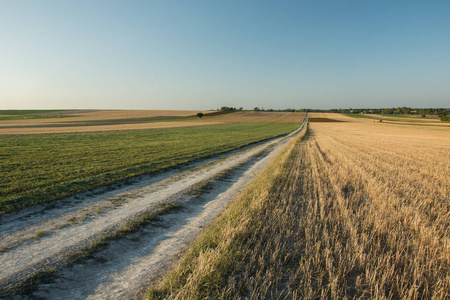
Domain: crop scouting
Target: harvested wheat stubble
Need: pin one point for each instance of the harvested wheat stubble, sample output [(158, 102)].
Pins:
[(357, 210)]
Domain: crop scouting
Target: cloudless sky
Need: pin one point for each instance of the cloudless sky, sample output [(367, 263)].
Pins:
[(207, 54)]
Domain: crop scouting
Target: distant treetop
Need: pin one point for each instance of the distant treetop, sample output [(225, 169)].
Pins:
[(226, 108)]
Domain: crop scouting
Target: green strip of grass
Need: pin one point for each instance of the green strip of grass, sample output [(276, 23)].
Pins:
[(30, 114), (129, 227), (37, 169), (359, 116), (399, 116), (186, 119), (24, 117), (15, 112)]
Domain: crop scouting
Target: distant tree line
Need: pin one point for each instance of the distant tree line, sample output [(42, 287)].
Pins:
[(226, 108), (385, 111), (443, 113)]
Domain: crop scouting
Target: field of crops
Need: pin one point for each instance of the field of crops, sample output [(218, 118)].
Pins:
[(356, 209), (42, 168), (417, 120), (47, 122), (7, 115)]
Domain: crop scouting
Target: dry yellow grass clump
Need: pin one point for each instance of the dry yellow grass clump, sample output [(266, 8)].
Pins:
[(354, 210)]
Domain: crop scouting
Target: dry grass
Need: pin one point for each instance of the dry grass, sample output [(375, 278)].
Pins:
[(98, 121), (356, 210)]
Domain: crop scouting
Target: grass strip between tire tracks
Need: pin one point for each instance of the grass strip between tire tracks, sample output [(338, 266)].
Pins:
[(29, 284)]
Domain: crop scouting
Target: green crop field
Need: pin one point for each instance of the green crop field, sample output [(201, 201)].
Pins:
[(13, 112), (42, 168), (359, 116), (28, 114)]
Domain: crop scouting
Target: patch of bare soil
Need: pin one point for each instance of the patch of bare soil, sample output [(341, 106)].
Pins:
[(39, 239)]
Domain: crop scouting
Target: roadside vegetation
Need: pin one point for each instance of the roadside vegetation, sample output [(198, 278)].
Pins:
[(350, 211), (42, 168)]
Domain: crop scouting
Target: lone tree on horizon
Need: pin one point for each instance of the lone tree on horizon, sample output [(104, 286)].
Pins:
[(200, 115)]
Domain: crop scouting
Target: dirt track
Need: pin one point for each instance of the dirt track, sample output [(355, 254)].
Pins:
[(39, 238)]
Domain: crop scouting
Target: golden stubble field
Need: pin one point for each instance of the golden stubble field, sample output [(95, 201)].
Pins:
[(382, 208), (357, 209), (113, 120)]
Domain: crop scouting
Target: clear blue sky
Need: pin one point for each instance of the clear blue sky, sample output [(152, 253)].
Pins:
[(208, 54)]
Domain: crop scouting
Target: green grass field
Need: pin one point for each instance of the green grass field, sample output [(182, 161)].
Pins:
[(42, 168), (27, 114), (399, 116), (359, 116), (15, 112)]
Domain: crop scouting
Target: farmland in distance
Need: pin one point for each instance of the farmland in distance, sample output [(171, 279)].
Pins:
[(50, 122), (40, 168)]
